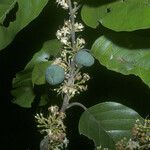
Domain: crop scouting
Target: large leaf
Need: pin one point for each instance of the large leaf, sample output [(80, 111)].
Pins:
[(41, 60), (5, 7), (124, 57), (121, 15), (28, 10), (34, 73), (22, 89), (106, 123)]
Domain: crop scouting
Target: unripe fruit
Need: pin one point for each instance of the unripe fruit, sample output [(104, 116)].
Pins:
[(55, 74), (84, 58)]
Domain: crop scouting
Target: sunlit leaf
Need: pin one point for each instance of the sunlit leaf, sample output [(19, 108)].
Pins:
[(125, 58), (118, 15)]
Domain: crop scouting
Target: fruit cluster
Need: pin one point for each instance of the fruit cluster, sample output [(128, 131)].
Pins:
[(55, 74)]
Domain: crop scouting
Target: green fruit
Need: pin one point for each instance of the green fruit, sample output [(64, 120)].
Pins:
[(84, 58), (54, 74)]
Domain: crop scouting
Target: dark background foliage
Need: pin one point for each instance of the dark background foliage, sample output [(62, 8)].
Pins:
[(18, 127)]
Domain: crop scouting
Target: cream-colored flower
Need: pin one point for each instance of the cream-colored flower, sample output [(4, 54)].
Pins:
[(54, 128), (64, 40), (64, 33), (132, 145), (78, 27), (54, 109), (86, 77), (59, 34), (63, 3), (57, 61), (80, 43)]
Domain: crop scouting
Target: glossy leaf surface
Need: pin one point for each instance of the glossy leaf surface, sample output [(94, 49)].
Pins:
[(107, 122)]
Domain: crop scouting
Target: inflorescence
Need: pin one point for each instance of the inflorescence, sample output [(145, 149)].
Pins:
[(54, 129), (140, 137), (73, 83)]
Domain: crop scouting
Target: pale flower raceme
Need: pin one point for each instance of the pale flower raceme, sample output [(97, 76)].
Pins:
[(52, 125), (54, 128)]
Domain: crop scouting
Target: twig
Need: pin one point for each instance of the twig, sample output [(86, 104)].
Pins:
[(65, 103), (76, 104)]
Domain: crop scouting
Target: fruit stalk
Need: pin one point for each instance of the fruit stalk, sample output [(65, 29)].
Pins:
[(77, 104)]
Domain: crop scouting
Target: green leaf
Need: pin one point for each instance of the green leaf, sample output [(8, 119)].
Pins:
[(24, 96), (34, 73), (5, 7), (108, 122), (38, 74), (22, 89), (22, 78), (90, 15), (119, 15), (28, 10), (40, 60), (129, 57), (49, 48)]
